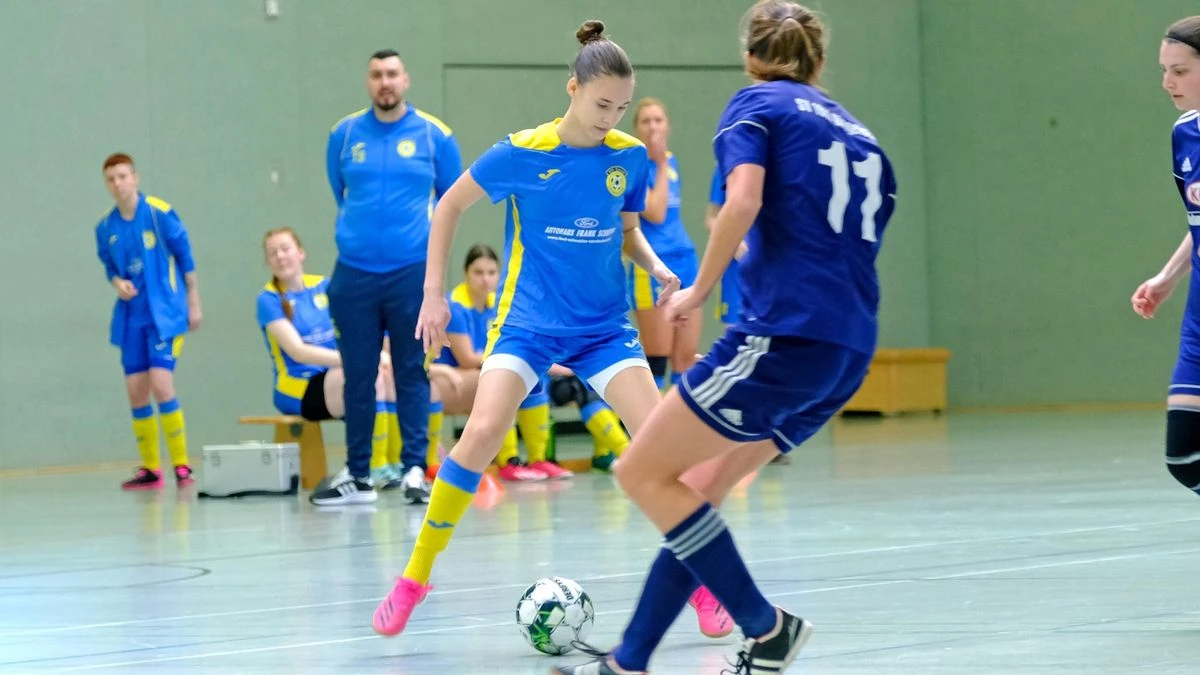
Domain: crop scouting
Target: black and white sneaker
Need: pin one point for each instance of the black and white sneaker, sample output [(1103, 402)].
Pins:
[(774, 652), (344, 489), (416, 488)]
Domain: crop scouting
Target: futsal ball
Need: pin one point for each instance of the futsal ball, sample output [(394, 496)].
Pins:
[(553, 613)]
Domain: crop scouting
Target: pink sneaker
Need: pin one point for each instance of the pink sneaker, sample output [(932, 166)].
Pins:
[(392, 614), (715, 622), (552, 470), (144, 479), (515, 472), (183, 476)]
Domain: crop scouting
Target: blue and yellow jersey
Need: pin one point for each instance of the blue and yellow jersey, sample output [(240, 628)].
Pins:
[(151, 250), (466, 320), (669, 236), (310, 316), (386, 178), (563, 231)]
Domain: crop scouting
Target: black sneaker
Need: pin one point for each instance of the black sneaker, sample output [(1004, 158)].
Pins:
[(344, 489), (775, 651)]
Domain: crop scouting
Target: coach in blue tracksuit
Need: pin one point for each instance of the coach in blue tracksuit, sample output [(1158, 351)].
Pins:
[(387, 164)]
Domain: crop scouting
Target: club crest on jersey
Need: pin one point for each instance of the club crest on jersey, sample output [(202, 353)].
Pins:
[(406, 148), (615, 180), (1193, 193), (358, 153), (149, 240), (320, 301)]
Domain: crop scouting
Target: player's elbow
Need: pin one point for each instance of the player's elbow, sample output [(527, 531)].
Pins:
[(655, 216)]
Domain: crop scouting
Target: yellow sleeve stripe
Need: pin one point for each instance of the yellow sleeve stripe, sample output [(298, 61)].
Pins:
[(356, 113), (619, 140), (435, 121), (158, 203)]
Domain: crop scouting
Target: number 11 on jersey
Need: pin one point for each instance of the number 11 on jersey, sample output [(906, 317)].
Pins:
[(870, 170)]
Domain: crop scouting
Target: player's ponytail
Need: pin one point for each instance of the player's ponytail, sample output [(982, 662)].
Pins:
[(786, 39), (598, 55), (275, 282), (1186, 31)]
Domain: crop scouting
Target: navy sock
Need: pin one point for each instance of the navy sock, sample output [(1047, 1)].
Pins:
[(664, 595), (703, 544)]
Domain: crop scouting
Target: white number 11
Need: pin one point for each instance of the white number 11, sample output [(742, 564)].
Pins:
[(870, 170)]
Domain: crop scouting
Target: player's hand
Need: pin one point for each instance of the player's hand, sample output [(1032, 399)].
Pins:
[(656, 148), (1152, 293), (432, 322), (667, 280), (682, 304), (125, 288), (195, 317)]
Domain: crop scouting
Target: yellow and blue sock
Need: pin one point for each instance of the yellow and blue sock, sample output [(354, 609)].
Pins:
[(508, 448), (174, 430), (437, 417), (605, 426), (394, 442), (145, 432), (379, 438), (534, 423), (453, 490)]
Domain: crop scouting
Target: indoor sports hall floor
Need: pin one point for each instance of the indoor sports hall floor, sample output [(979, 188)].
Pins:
[(971, 543)]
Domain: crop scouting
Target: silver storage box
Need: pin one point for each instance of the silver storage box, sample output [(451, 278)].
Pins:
[(251, 468)]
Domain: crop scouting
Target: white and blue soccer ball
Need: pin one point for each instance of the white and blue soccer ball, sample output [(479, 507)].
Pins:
[(553, 613)]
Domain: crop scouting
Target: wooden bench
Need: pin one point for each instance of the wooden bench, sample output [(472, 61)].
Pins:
[(903, 380), (306, 434)]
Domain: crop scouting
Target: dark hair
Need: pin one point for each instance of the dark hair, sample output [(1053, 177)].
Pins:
[(1186, 31), (275, 282), (478, 251), (787, 39), (598, 55), (384, 54), (115, 159)]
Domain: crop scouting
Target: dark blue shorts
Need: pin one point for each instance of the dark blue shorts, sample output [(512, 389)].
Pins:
[(1186, 378), (751, 388)]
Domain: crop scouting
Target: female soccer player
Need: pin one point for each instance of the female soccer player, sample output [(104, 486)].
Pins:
[(147, 258), (472, 310), (293, 314), (663, 226), (818, 191), (1179, 57), (574, 188)]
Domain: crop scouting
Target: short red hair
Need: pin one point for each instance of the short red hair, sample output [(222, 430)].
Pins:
[(117, 158)]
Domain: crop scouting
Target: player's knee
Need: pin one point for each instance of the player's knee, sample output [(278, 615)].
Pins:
[(1183, 446)]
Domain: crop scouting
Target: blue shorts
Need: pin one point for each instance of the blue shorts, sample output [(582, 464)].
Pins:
[(143, 350), (729, 302), (540, 395), (750, 388), (596, 359), (1186, 378), (643, 289)]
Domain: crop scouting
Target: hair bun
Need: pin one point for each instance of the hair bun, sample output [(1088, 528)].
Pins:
[(591, 30)]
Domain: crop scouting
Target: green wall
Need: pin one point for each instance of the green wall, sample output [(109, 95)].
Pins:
[(1049, 197), (213, 99)]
